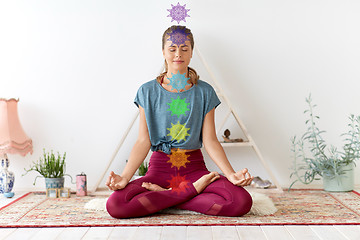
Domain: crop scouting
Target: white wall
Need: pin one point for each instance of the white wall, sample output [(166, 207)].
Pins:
[(76, 66)]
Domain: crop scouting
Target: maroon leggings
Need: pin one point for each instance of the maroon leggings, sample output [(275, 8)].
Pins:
[(178, 171)]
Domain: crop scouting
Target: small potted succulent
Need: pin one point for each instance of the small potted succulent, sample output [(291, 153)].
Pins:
[(51, 168), (334, 166)]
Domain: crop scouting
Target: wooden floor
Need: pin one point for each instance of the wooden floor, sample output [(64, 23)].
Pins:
[(190, 232), (336, 232)]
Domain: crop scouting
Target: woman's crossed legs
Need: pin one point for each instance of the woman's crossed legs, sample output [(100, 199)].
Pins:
[(210, 194)]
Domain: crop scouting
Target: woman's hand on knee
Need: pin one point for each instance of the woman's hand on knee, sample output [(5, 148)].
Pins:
[(116, 182), (241, 178)]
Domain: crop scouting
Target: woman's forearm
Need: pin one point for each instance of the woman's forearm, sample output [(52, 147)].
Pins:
[(217, 154), (137, 156)]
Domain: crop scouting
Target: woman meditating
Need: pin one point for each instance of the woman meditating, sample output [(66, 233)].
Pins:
[(176, 118)]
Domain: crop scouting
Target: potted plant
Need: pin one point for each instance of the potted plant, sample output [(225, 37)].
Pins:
[(143, 168), (335, 167), (51, 168)]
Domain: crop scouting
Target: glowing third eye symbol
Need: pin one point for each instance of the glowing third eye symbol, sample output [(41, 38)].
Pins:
[(178, 13), (178, 36)]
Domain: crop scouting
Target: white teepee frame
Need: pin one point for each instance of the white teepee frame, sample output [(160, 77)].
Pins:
[(249, 143)]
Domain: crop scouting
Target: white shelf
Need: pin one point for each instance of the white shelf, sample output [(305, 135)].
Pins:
[(236, 144)]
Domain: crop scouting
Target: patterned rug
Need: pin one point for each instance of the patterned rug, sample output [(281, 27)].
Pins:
[(294, 207)]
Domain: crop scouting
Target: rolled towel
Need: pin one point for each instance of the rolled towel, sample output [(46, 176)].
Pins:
[(262, 205), (98, 204)]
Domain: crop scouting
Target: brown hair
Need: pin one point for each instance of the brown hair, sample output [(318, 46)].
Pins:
[(194, 77)]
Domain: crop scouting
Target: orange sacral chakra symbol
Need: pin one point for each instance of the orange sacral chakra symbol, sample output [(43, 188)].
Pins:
[(178, 159)]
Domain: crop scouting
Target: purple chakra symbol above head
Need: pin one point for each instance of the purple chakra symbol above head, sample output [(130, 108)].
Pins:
[(178, 36), (178, 81), (178, 13)]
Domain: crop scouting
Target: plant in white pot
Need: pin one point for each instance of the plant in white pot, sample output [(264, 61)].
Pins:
[(51, 168), (335, 167)]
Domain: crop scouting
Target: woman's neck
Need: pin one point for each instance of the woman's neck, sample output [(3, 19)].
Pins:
[(171, 72), (176, 82)]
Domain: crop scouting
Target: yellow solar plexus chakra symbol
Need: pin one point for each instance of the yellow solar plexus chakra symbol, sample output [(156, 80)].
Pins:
[(178, 106), (178, 158), (178, 132)]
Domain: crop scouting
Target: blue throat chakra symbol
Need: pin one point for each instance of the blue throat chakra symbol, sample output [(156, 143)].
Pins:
[(178, 81), (178, 36), (178, 13)]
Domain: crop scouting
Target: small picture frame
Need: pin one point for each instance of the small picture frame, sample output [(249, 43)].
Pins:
[(64, 192), (52, 192)]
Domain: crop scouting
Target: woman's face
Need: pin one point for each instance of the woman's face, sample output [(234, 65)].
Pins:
[(177, 57)]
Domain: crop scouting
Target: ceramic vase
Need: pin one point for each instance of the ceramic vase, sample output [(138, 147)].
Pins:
[(340, 183), (54, 182), (7, 178)]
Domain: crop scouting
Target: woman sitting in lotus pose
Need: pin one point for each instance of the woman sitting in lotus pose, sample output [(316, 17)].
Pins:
[(176, 118)]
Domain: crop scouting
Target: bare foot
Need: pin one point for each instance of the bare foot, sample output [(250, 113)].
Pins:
[(205, 180), (153, 187)]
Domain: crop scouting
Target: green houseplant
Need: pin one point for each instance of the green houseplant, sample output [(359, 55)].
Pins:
[(51, 168), (335, 167), (143, 168)]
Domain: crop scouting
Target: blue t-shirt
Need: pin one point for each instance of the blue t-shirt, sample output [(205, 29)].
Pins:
[(175, 119)]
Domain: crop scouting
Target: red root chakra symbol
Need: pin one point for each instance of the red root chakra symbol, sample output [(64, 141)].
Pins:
[(179, 184)]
